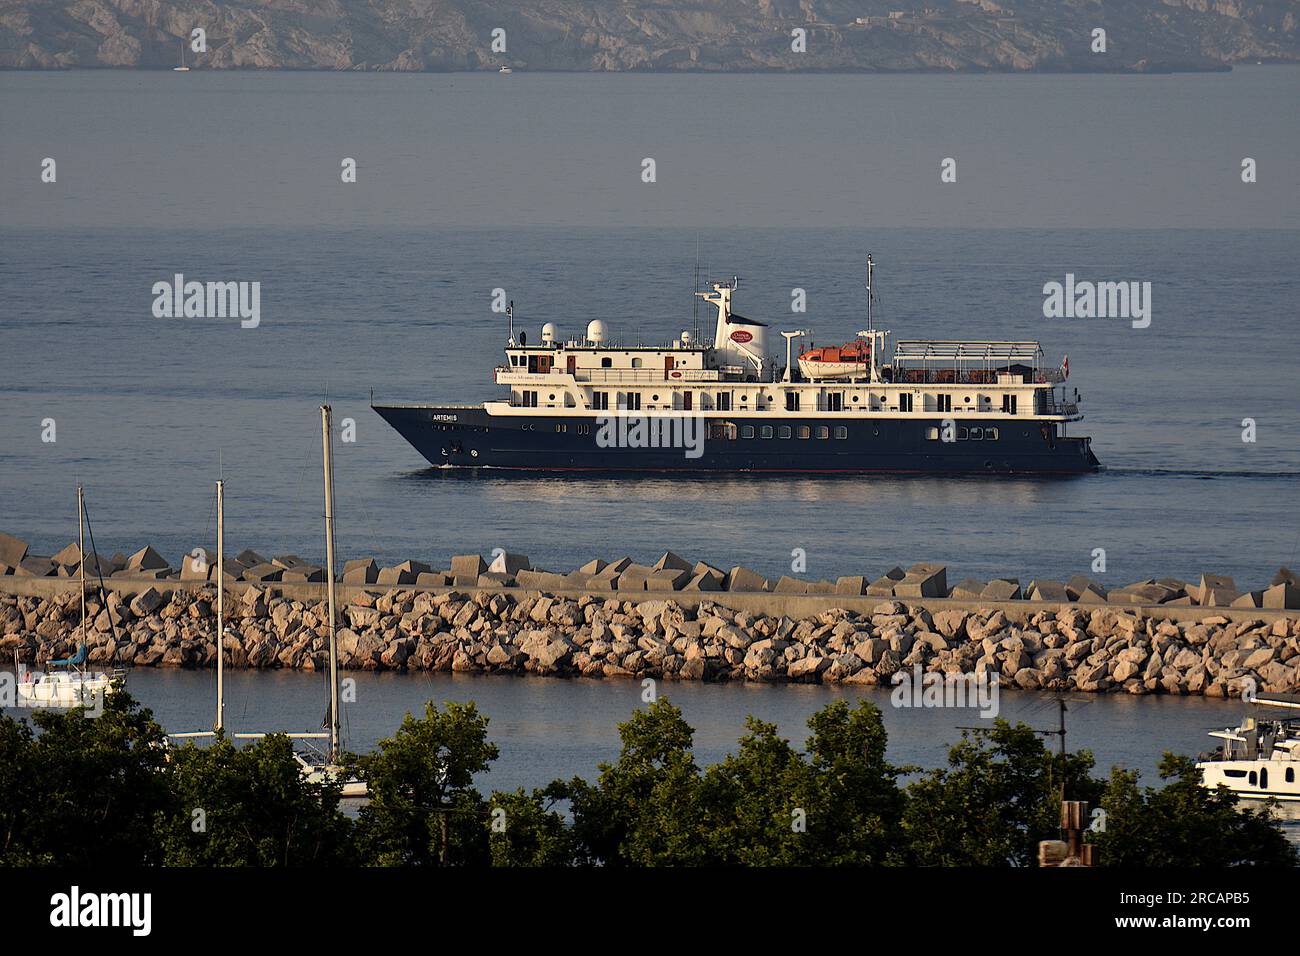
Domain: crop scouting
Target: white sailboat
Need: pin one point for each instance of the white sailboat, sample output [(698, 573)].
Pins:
[(67, 682), (220, 630), (182, 68), (320, 767), (1260, 759)]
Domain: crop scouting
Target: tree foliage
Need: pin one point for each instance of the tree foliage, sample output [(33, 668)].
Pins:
[(110, 791)]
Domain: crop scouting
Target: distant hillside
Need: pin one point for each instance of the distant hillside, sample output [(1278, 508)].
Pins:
[(608, 35)]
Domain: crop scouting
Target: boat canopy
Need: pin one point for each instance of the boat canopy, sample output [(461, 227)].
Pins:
[(75, 660), (989, 354)]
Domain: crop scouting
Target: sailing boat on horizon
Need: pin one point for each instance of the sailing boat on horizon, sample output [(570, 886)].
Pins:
[(182, 68)]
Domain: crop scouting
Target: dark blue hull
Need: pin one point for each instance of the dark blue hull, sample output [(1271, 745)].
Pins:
[(469, 437)]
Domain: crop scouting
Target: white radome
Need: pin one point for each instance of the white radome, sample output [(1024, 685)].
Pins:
[(548, 333), (596, 332)]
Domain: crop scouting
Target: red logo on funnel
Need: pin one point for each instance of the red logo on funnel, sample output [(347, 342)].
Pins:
[(740, 335)]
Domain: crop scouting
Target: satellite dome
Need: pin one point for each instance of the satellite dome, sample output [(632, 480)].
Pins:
[(596, 332), (548, 333)]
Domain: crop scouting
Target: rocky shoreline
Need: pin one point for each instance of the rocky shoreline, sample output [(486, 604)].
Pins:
[(1089, 649)]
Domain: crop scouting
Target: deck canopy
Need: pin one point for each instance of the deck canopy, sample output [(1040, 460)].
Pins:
[(987, 354)]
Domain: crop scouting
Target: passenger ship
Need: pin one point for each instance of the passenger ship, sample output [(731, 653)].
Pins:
[(872, 405)]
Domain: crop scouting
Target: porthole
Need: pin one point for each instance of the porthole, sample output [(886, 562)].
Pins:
[(783, 431), (654, 398), (473, 453)]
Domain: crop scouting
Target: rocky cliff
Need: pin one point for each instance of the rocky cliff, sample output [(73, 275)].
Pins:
[(651, 35)]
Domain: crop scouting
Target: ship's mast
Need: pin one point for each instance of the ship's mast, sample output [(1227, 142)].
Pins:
[(870, 294)]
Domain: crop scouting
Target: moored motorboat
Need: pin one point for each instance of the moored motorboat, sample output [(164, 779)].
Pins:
[(1260, 759)]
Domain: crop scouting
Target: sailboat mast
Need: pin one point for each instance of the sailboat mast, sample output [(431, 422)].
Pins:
[(221, 604), (329, 578), (81, 547)]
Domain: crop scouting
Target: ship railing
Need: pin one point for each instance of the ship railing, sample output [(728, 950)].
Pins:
[(973, 376), (1068, 409), (597, 375)]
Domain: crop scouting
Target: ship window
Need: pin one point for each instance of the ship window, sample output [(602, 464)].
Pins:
[(783, 431), (1234, 773), (600, 400), (1253, 779), (724, 402), (990, 434), (841, 431), (747, 431), (905, 402), (722, 430), (606, 362), (834, 401), (653, 398), (932, 434), (1263, 778), (962, 433), (1290, 775), (945, 403), (636, 363), (977, 434), (823, 431), (765, 432), (792, 401), (1009, 404), (855, 398), (805, 431)]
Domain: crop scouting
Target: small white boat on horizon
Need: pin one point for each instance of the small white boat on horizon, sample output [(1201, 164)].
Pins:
[(182, 68)]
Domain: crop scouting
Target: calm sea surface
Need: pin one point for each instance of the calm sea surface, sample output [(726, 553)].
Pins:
[(533, 184)]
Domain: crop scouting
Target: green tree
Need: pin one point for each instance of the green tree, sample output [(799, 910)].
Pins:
[(423, 809), (753, 802), (853, 800), (644, 808), (250, 806), (86, 789), (1185, 824), (526, 830), (998, 797)]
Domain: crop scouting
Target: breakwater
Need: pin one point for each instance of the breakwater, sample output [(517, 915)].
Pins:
[(1029, 645)]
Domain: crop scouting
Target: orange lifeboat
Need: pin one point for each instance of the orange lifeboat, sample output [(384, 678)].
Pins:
[(850, 360)]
